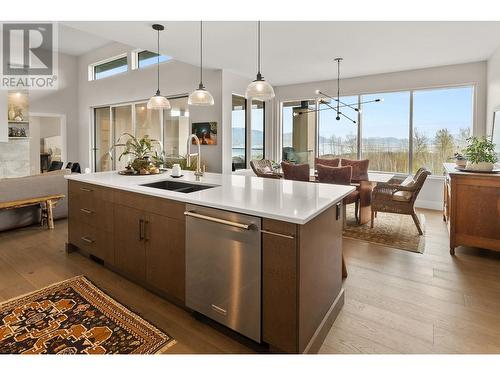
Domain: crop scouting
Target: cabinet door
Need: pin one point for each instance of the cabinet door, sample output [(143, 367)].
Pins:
[(165, 255), (129, 232)]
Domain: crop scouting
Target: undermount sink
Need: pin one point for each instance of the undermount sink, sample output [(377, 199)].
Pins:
[(180, 187)]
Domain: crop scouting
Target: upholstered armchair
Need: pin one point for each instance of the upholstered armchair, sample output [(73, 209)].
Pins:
[(399, 198), (330, 162), (297, 172), (263, 168)]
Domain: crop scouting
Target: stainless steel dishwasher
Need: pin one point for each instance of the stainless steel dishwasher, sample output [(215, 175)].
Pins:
[(223, 268)]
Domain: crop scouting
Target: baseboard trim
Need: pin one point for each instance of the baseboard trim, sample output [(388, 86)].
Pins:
[(430, 205), (322, 331)]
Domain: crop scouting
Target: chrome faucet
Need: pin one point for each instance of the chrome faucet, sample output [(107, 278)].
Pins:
[(198, 173)]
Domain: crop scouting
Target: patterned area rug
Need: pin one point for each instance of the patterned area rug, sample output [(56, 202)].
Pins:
[(397, 231), (75, 317)]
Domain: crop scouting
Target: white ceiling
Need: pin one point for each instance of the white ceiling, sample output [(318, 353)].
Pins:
[(295, 52), (75, 42)]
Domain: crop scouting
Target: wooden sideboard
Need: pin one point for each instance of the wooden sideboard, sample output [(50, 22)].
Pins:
[(472, 208)]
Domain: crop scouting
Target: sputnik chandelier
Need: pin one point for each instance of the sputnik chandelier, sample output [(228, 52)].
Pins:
[(339, 106)]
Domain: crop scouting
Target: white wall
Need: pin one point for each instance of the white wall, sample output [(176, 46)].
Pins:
[(431, 195), (493, 87), (63, 101), (176, 79), (4, 126)]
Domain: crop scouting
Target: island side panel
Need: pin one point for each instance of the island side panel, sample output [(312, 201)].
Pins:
[(320, 277), (279, 286)]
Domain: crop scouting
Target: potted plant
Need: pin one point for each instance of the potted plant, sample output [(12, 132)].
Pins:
[(141, 150), (480, 154)]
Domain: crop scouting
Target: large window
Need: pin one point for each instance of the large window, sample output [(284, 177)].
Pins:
[(109, 67), (338, 138), (239, 128), (258, 125), (385, 131), (403, 132), (442, 121)]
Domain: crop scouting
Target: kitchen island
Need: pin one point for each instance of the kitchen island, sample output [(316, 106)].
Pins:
[(284, 291)]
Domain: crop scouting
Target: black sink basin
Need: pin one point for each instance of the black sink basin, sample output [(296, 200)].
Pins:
[(180, 187)]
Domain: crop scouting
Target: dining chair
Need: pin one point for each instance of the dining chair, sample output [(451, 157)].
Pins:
[(264, 168), (330, 162), (340, 176), (297, 172), (359, 169)]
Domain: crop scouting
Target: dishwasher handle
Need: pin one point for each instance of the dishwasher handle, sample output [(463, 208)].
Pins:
[(219, 221)]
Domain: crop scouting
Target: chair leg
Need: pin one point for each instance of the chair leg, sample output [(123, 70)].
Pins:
[(344, 268), (356, 210), (373, 218), (417, 223)]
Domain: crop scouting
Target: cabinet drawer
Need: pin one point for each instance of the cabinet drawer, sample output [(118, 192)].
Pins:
[(88, 193), (96, 212), (154, 205), (96, 242)]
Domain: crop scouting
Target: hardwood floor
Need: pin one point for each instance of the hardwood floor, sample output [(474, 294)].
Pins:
[(395, 301)]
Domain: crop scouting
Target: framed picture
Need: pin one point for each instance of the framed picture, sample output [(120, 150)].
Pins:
[(206, 132)]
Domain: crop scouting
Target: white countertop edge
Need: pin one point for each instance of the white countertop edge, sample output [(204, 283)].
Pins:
[(185, 198)]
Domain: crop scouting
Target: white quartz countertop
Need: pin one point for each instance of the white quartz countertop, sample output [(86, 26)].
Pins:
[(291, 201)]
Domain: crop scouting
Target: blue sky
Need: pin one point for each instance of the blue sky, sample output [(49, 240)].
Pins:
[(433, 109)]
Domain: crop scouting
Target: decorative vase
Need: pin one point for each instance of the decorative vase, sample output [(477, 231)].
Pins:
[(12, 113), (141, 164), (461, 163), (482, 166)]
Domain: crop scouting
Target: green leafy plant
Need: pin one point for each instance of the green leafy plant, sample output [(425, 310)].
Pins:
[(140, 148), (480, 149)]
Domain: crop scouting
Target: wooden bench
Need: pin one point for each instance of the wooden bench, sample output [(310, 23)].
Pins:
[(46, 204)]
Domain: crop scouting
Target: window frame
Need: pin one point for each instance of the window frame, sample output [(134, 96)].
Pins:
[(472, 85), (245, 108), (92, 74)]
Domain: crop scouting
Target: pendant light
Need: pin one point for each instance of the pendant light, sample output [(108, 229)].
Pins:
[(158, 101), (200, 96), (259, 89)]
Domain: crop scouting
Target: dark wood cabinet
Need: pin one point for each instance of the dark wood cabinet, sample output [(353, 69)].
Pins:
[(472, 208), (129, 239), (90, 212), (301, 281), (279, 285), (165, 255)]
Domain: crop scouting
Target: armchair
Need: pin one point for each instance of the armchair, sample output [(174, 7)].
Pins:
[(264, 168), (399, 198)]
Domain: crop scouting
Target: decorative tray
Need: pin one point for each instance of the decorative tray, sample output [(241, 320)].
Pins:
[(462, 169), (134, 173)]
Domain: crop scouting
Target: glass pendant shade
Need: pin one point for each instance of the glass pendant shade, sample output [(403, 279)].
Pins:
[(158, 102), (259, 89), (201, 97)]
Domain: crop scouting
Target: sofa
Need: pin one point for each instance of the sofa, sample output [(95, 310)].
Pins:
[(30, 187)]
